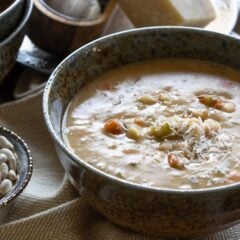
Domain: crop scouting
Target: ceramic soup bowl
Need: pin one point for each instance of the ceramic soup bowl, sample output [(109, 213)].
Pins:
[(162, 212)]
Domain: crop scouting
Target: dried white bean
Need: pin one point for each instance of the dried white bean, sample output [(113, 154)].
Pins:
[(13, 164), (4, 170), (4, 143), (8, 165), (5, 186), (12, 175), (16, 156), (10, 157), (3, 158), (8, 153)]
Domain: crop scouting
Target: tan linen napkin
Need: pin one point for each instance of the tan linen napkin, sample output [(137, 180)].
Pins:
[(50, 208)]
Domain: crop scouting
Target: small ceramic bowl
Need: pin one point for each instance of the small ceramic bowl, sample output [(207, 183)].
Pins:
[(60, 36), (25, 166), (175, 213), (9, 17), (9, 46)]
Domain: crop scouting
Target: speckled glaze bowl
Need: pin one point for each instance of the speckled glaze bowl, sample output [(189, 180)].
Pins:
[(9, 46), (24, 169), (162, 212), (10, 17)]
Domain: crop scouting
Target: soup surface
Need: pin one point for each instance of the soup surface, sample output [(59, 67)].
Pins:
[(170, 123)]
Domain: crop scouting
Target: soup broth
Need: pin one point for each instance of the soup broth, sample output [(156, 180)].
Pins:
[(171, 123)]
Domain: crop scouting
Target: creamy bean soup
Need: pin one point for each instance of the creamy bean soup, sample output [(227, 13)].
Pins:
[(170, 123)]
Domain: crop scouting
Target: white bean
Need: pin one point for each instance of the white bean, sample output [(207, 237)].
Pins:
[(229, 107), (4, 170), (3, 158), (8, 153), (8, 165), (5, 186), (13, 164), (10, 157), (12, 175), (5, 143)]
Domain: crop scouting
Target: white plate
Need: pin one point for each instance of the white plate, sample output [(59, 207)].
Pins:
[(227, 15)]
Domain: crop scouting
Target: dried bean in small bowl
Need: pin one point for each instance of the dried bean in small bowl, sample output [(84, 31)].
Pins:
[(15, 168), (8, 166)]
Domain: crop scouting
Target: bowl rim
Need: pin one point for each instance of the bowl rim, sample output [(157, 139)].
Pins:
[(26, 15), (89, 167), (28, 174), (47, 11), (10, 7)]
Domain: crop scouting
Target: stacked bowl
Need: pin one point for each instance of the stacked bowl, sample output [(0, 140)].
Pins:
[(14, 15)]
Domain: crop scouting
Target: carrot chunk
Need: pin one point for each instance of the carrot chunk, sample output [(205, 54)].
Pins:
[(174, 162), (140, 122), (235, 177), (130, 151), (215, 102), (211, 101), (114, 126)]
